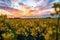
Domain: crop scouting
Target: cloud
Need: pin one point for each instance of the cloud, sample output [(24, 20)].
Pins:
[(44, 6), (4, 12)]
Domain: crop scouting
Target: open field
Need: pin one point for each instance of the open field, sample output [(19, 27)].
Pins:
[(30, 29)]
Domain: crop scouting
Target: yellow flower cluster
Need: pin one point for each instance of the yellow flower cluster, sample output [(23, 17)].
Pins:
[(26, 27)]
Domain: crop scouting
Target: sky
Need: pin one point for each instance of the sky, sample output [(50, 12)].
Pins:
[(25, 8)]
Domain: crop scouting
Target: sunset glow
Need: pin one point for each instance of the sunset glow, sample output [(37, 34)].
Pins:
[(27, 7)]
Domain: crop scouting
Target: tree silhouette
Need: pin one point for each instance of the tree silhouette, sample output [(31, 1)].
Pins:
[(56, 7)]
